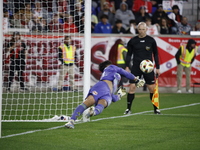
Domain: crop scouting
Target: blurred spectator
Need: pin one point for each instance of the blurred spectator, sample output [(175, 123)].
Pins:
[(164, 27), (35, 24), (26, 13), (174, 18), (82, 24), (183, 28), (154, 6), (16, 21), (117, 3), (77, 13), (17, 49), (40, 12), (132, 27), (197, 26), (44, 25), (94, 21), (141, 15), (49, 5), (118, 27), (6, 17), (159, 13), (151, 29), (124, 14), (55, 25), (103, 26), (106, 11), (69, 26), (62, 8), (138, 3)]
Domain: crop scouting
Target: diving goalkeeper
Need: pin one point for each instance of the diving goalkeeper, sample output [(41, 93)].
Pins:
[(103, 92)]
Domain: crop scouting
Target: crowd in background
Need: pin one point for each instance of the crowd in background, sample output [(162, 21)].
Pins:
[(108, 16)]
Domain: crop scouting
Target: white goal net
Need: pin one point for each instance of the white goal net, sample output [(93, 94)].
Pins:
[(43, 59)]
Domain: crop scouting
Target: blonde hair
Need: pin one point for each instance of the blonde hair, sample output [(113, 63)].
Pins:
[(142, 23)]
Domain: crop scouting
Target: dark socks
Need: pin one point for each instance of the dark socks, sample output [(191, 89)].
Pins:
[(130, 98)]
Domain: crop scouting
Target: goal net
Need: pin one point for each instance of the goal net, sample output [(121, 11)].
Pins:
[(43, 59)]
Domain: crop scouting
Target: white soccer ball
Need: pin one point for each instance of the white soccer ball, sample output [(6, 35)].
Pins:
[(146, 66)]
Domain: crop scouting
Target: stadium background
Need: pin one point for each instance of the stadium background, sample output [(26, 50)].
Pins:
[(42, 64)]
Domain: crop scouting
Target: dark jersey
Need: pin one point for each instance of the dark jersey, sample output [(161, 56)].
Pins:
[(142, 48)]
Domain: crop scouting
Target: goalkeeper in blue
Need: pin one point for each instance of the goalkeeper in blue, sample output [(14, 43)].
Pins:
[(103, 92)]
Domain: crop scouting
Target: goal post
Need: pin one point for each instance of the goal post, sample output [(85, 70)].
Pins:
[(43, 102), (1, 48)]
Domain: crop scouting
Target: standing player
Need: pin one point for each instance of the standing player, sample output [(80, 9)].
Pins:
[(141, 47), (102, 93)]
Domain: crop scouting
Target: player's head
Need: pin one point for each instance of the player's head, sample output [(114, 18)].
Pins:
[(142, 29), (104, 64)]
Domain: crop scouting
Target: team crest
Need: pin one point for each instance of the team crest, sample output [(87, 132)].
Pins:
[(148, 48), (94, 92)]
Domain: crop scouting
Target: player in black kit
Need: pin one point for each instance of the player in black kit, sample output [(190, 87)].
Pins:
[(141, 47)]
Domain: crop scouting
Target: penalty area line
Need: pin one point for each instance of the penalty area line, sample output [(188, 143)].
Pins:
[(139, 113)]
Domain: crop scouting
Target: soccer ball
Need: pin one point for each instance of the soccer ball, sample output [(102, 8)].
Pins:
[(146, 66)]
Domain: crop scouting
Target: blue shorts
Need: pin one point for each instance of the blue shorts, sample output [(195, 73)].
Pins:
[(101, 91)]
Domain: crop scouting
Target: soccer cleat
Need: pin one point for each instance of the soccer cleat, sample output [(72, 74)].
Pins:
[(90, 112), (179, 91), (121, 92), (157, 111), (70, 124), (127, 112)]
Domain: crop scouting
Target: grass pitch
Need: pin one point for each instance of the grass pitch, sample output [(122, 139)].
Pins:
[(178, 128)]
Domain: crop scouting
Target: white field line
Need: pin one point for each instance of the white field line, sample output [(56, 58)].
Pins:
[(139, 113)]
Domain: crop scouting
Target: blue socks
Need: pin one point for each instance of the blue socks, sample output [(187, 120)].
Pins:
[(78, 111), (98, 109)]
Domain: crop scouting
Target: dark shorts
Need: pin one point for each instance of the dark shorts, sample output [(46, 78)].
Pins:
[(148, 77)]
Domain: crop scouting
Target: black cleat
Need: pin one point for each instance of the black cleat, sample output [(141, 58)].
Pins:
[(157, 111)]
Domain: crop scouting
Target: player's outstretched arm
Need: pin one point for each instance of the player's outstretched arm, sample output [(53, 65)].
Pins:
[(139, 82)]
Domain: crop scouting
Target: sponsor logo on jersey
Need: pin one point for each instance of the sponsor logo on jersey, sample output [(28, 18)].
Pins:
[(142, 41), (94, 92), (148, 48)]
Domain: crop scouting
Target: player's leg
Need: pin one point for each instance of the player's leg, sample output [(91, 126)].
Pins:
[(131, 94), (102, 103), (130, 97), (90, 101), (150, 82), (151, 88)]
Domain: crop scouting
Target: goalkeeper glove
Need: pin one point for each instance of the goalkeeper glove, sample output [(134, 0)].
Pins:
[(139, 82), (121, 92)]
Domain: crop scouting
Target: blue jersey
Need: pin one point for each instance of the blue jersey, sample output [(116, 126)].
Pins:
[(112, 73), (101, 90)]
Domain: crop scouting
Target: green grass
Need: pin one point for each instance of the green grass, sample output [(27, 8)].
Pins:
[(175, 129)]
